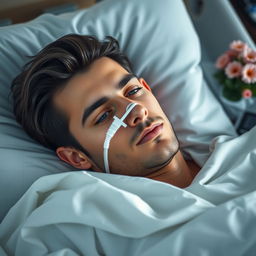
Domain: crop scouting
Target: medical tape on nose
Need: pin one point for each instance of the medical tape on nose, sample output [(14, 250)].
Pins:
[(116, 124)]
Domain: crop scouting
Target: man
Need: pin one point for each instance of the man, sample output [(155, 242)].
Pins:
[(73, 90)]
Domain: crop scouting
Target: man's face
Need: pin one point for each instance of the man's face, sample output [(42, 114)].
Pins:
[(91, 100)]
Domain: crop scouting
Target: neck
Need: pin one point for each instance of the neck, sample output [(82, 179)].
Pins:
[(178, 172)]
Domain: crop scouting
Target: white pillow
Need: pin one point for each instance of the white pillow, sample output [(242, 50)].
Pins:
[(159, 39)]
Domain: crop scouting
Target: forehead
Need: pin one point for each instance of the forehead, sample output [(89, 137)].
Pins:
[(85, 87)]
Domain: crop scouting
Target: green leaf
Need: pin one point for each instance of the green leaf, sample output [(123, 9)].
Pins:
[(229, 83), (231, 94), (220, 76), (239, 84), (253, 88)]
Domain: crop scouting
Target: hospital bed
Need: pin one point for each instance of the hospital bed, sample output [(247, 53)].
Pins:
[(48, 208)]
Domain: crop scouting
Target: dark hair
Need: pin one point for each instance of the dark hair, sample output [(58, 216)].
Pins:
[(47, 72)]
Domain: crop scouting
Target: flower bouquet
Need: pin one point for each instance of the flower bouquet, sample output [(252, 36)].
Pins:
[(237, 71)]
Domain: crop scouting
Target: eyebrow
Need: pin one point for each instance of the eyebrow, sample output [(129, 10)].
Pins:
[(88, 111)]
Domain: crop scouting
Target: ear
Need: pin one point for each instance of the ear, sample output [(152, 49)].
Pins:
[(73, 157), (144, 83)]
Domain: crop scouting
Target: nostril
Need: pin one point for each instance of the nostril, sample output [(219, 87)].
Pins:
[(136, 120)]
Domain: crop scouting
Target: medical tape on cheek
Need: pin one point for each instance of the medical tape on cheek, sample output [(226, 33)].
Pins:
[(116, 124)]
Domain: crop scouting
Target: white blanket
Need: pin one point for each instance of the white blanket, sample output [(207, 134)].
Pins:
[(87, 213)]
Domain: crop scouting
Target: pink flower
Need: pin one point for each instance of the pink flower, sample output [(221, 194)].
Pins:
[(233, 69), (249, 73), (222, 61), (249, 55), (247, 93), (238, 45), (232, 53)]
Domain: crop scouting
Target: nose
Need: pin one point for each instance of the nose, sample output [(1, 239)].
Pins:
[(138, 114)]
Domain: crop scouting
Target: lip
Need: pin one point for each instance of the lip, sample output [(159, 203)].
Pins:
[(150, 133)]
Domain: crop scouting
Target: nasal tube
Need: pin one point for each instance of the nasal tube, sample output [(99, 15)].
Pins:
[(116, 124)]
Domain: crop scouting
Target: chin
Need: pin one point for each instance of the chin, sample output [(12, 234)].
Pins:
[(168, 146), (163, 155), (167, 157)]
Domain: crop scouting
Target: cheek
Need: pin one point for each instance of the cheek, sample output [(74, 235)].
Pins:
[(92, 141), (155, 106), (119, 140), (151, 102), (117, 152)]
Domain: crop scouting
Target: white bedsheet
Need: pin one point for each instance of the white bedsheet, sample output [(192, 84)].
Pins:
[(87, 213)]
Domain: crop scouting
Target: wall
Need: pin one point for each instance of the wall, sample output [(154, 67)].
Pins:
[(25, 10)]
